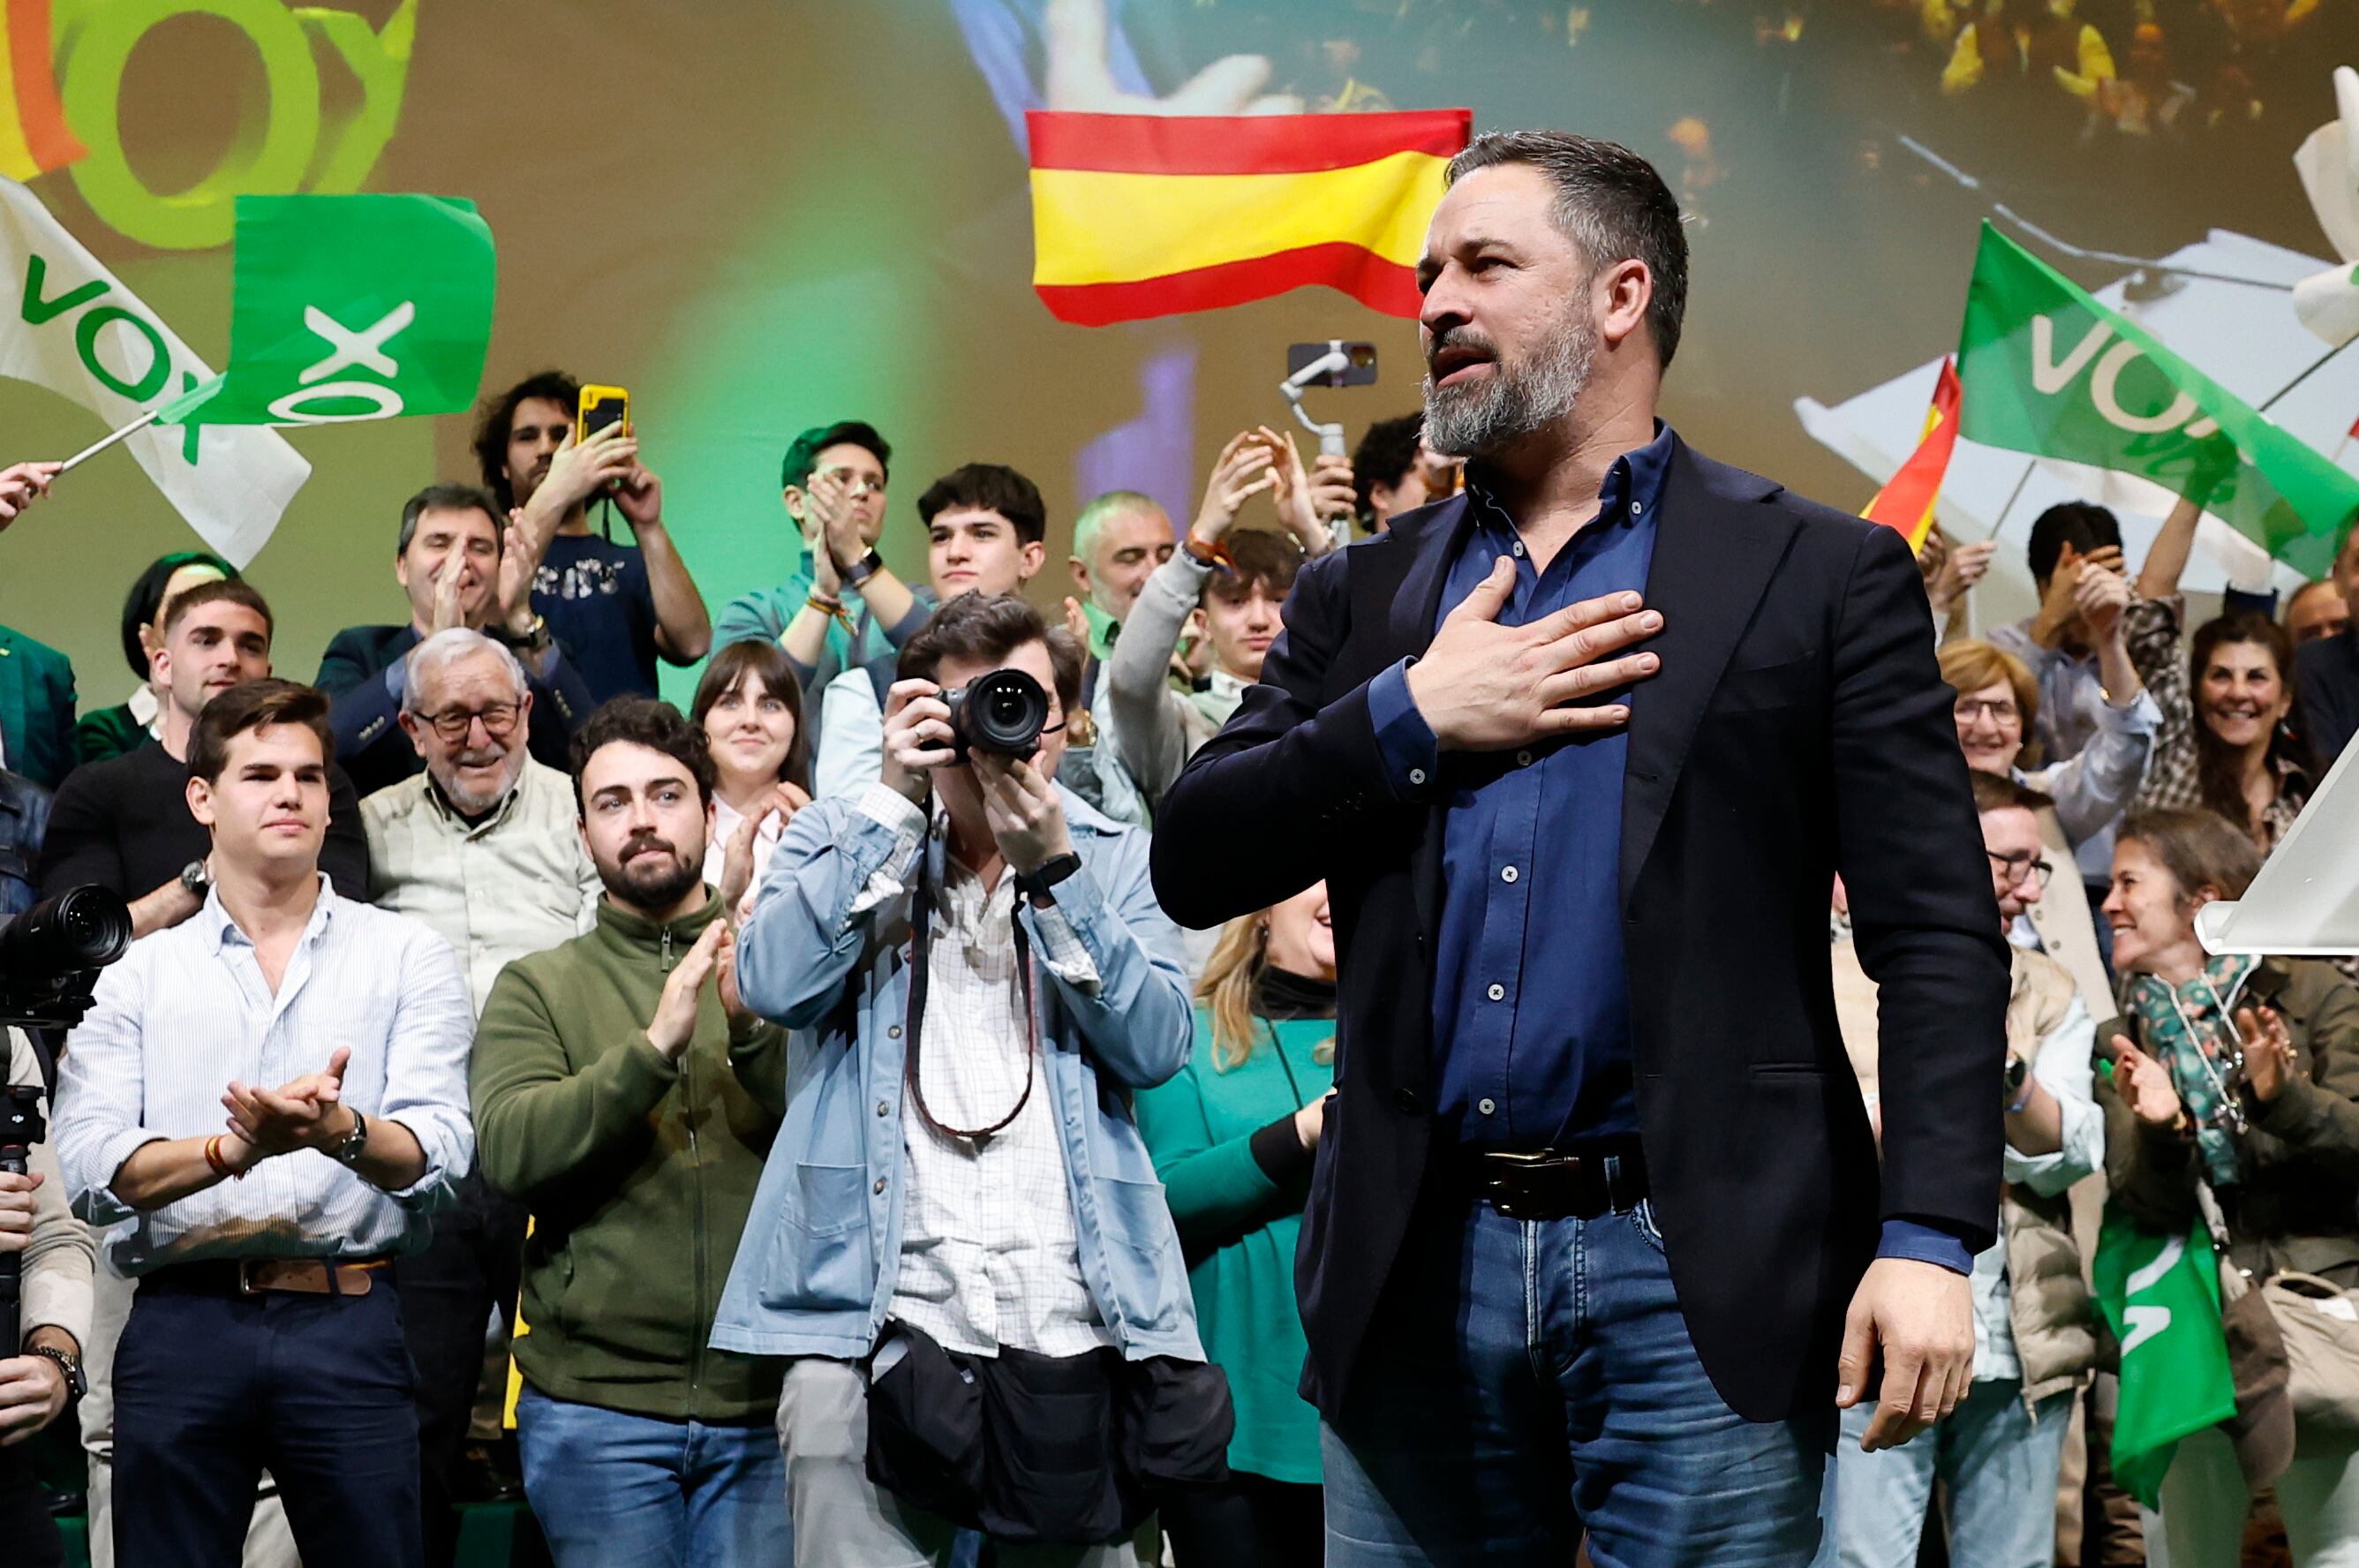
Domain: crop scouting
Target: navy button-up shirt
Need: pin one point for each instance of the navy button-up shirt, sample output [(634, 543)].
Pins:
[(1531, 999)]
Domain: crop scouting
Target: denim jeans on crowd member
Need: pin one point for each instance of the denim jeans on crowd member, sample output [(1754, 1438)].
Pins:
[(1999, 1465), (211, 1388), (1524, 1379), (636, 1492)]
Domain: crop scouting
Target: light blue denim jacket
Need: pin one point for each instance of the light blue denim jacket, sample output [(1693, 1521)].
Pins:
[(815, 1271)]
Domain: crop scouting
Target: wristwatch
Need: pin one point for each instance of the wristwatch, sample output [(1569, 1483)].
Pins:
[(535, 639), (2018, 1084), (194, 878), (68, 1363), (348, 1153), (1036, 883), (861, 571)]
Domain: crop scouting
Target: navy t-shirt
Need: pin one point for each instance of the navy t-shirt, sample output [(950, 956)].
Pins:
[(596, 598)]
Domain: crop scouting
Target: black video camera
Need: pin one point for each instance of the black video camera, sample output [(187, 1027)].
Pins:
[(1003, 713), (51, 956)]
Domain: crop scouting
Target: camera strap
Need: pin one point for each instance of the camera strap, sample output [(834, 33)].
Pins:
[(921, 923)]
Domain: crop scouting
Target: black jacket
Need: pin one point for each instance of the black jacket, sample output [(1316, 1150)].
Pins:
[(1798, 727)]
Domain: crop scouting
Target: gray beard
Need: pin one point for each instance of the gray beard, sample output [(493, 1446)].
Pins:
[(1513, 401)]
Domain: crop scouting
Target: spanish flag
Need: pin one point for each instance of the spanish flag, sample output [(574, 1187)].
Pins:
[(1905, 501), (33, 134), (1137, 215)]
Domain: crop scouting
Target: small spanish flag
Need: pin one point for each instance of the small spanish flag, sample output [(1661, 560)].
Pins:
[(1905, 501), (1138, 215), (34, 138)]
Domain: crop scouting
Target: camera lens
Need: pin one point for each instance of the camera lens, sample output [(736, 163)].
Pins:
[(1004, 713), (81, 928)]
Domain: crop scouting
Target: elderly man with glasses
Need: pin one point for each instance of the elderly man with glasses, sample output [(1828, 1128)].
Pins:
[(482, 847)]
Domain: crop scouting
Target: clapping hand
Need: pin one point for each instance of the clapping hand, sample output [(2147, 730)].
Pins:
[(2269, 1063), (2146, 1084), (674, 1024), (1243, 470), (296, 1114), (1307, 498), (738, 858)]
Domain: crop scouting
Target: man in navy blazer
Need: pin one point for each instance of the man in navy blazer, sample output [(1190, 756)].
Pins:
[(1597, 1234)]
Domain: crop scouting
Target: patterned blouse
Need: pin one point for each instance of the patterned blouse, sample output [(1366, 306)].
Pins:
[(2151, 627)]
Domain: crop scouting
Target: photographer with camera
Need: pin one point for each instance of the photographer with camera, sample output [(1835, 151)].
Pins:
[(44, 1309), (959, 1162)]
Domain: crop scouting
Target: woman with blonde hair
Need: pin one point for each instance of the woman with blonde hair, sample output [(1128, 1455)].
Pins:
[(1234, 1137)]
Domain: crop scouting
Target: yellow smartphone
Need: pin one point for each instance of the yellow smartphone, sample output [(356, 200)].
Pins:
[(601, 407)]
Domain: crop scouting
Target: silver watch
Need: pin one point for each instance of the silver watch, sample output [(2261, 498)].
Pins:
[(194, 877)]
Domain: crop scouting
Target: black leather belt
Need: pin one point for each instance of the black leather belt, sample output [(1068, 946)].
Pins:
[(1555, 1184)]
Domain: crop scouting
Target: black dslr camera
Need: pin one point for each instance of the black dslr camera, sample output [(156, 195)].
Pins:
[(51, 956), (1003, 713)]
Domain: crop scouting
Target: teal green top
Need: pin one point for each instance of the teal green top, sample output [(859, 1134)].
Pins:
[(1238, 1227)]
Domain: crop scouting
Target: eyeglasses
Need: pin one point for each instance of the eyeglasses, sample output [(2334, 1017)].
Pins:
[(1968, 709), (453, 724), (855, 485), (2015, 865)]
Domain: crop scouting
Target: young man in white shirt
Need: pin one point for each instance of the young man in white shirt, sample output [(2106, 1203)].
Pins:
[(258, 1235)]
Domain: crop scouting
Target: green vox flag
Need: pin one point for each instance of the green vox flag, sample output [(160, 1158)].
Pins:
[(2050, 371), (351, 308), (2161, 1296)]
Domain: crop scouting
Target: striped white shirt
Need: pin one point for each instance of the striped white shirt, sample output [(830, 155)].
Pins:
[(990, 1253), (187, 1010)]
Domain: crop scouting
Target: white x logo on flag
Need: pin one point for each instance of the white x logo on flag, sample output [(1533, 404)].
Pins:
[(364, 348)]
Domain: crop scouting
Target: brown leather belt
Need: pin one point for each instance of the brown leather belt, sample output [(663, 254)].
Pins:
[(267, 1276), (1554, 1184)]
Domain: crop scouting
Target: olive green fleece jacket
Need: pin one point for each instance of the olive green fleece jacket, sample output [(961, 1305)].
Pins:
[(639, 1172)]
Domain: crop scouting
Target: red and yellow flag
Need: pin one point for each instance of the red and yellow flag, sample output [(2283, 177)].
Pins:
[(1905, 501), (1137, 215), (34, 137)]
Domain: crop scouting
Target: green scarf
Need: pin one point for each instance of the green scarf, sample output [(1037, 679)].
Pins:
[(2191, 1031)]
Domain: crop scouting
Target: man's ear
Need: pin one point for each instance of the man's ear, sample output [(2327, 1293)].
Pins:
[(1080, 574), (412, 726), (201, 801), (1034, 556)]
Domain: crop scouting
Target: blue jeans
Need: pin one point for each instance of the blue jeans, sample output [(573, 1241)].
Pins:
[(1523, 1378), (2000, 1467), (636, 1492)]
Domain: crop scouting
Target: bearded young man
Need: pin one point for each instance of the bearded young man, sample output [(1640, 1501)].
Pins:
[(626, 1097), (1596, 1234)]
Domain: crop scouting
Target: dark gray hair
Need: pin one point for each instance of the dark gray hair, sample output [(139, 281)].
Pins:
[(450, 498), (1610, 202)]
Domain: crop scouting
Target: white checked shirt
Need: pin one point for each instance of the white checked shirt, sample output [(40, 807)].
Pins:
[(517, 882), (187, 1010), (990, 1255)]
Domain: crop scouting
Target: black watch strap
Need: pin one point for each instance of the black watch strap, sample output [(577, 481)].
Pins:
[(1035, 884), (861, 571)]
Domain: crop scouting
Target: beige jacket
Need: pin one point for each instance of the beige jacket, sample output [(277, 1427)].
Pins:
[(2055, 1335), (57, 1277)]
